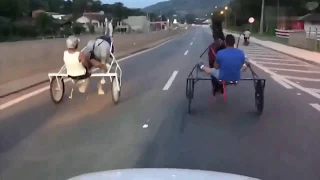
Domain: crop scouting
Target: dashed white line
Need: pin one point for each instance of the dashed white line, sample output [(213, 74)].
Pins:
[(315, 105), (170, 81), (191, 43), (278, 80), (299, 94), (185, 53)]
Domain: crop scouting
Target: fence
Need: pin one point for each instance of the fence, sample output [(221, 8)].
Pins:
[(309, 34)]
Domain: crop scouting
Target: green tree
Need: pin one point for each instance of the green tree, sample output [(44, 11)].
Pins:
[(44, 23), (190, 18)]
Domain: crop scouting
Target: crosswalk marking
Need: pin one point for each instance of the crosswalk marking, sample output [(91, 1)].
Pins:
[(314, 90), (271, 59), (302, 78), (291, 69), (315, 105), (295, 70), (283, 64)]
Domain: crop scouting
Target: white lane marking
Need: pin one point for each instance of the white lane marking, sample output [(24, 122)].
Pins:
[(301, 79), (145, 126), (306, 90), (295, 70), (185, 53), (191, 43), (314, 90), (299, 94), (270, 59), (282, 64), (315, 105), (278, 80), (38, 91), (170, 81)]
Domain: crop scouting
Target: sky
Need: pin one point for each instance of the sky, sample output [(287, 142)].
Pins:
[(134, 3)]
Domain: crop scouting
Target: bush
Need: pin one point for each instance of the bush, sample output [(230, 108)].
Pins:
[(24, 30), (44, 23), (78, 28), (5, 26), (91, 28), (67, 31)]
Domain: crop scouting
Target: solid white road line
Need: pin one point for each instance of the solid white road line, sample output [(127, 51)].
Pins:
[(278, 80), (170, 81), (38, 91), (315, 105), (185, 53)]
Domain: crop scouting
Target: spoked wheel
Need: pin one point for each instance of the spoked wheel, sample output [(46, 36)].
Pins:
[(259, 95), (115, 92), (57, 89), (189, 93)]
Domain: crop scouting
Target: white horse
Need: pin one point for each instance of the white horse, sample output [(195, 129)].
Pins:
[(99, 49)]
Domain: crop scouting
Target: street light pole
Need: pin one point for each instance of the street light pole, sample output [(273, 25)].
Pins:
[(261, 18)]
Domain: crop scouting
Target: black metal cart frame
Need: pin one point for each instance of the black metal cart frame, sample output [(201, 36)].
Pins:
[(259, 86)]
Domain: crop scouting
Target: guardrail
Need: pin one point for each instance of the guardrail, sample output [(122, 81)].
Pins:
[(309, 34)]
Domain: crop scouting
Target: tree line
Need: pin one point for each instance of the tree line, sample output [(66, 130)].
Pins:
[(14, 16)]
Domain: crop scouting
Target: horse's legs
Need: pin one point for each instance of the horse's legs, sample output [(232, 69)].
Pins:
[(104, 57)]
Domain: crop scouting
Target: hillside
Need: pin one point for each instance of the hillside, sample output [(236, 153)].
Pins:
[(181, 7)]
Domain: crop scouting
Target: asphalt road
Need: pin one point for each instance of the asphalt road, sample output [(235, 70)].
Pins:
[(150, 126)]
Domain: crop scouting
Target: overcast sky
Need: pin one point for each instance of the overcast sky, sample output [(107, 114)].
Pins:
[(133, 3)]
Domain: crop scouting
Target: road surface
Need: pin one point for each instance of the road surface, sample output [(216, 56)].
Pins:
[(150, 126)]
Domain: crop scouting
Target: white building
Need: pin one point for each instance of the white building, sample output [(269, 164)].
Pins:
[(138, 23)]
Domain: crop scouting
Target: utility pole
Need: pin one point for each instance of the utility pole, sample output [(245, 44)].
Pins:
[(261, 18)]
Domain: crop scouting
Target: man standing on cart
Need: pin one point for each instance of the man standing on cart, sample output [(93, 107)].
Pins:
[(99, 49)]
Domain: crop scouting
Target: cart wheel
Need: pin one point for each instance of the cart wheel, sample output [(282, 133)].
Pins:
[(57, 89), (189, 105), (259, 96), (190, 93), (115, 93)]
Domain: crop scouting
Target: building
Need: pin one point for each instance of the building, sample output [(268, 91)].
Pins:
[(95, 19), (311, 22), (138, 23)]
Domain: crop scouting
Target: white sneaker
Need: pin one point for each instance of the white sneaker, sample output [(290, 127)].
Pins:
[(83, 85), (100, 91)]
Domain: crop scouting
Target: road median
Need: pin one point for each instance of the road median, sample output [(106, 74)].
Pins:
[(43, 57)]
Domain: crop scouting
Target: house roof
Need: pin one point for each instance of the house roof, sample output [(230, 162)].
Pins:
[(311, 17), (95, 16)]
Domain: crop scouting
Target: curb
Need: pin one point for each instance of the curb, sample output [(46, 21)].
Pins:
[(146, 47)]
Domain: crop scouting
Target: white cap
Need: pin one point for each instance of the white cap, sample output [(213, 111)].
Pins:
[(72, 42)]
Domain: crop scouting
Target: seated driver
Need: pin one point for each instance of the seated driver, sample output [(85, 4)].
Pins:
[(77, 64), (229, 62)]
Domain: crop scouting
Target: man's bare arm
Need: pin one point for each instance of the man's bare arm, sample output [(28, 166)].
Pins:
[(97, 64), (216, 65)]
